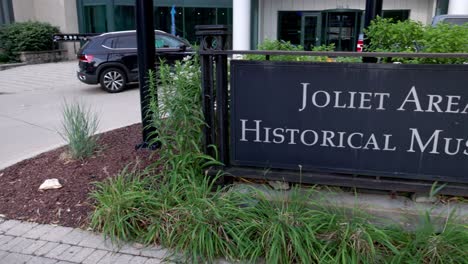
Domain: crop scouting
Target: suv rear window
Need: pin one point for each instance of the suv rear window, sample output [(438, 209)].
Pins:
[(456, 20), (87, 43), (109, 43), (126, 42)]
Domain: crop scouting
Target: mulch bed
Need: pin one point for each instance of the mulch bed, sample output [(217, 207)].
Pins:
[(20, 197)]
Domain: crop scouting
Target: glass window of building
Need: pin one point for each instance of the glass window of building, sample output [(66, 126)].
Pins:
[(6, 12), (163, 20), (124, 17), (289, 26), (197, 16), (97, 16), (396, 15), (95, 19), (224, 16), (441, 7)]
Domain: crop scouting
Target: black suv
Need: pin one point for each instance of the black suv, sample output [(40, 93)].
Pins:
[(111, 58)]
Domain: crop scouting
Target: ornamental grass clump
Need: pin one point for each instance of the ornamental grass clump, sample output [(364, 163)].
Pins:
[(284, 231), (350, 236), (79, 126), (429, 244), (125, 206)]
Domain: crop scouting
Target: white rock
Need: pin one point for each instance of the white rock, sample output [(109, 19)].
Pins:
[(424, 198), (279, 185), (50, 184)]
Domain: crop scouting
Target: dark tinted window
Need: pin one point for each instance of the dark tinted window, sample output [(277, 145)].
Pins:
[(396, 15), (109, 43), (126, 42), (289, 26)]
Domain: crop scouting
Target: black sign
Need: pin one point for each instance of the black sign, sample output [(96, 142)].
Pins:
[(73, 37), (400, 121)]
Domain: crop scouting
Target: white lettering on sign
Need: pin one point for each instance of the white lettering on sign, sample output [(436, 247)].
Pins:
[(433, 103), (435, 142), (252, 131), (430, 103), (340, 99)]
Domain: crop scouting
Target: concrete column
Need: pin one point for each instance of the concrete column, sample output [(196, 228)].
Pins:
[(241, 24), (458, 7)]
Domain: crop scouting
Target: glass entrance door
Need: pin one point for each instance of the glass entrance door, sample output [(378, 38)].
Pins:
[(310, 30), (341, 28)]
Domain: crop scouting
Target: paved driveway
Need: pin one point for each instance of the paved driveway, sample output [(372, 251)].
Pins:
[(31, 99)]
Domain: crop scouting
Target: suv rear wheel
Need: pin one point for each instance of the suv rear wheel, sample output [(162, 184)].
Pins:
[(113, 80)]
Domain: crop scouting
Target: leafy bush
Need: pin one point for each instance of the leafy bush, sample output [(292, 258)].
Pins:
[(4, 58), (287, 46), (411, 36), (445, 38), (27, 36), (279, 45), (385, 35), (79, 126)]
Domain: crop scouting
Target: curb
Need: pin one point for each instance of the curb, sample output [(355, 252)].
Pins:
[(11, 65)]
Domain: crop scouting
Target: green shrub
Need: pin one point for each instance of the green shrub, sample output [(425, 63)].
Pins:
[(27, 36), (79, 126), (385, 35), (287, 46), (410, 36), (279, 45), (444, 38), (4, 58)]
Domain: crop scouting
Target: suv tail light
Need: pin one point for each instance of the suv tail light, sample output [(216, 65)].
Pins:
[(360, 43), (86, 58)]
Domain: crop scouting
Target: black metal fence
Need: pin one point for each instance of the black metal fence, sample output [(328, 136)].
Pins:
[(214, 53)]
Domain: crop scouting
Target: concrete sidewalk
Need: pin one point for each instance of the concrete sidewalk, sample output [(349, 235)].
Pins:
[(24, 242)]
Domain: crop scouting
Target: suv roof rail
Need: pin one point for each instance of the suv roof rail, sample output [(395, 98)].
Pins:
[(128, 31)]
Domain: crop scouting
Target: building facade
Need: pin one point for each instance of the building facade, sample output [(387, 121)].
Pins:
[(305, 22), (180, 16)]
